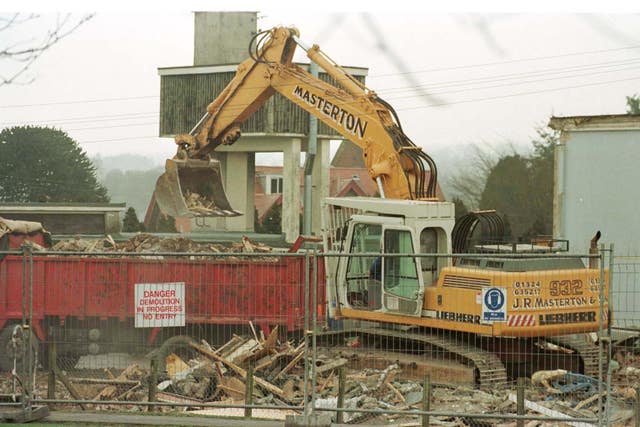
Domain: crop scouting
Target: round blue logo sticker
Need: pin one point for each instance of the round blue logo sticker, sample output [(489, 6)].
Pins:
[(494, 299)]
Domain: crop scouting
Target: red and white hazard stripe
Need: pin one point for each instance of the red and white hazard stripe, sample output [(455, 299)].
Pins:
[(519, 320)]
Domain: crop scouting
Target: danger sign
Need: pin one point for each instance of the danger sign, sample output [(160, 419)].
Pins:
[(159, 305)]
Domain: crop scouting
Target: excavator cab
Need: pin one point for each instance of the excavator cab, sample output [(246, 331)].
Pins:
[(193, 187)]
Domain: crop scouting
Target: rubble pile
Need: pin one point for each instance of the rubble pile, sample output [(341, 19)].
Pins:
[(145, 242), (220, 375), (191, 374), (626, 365)]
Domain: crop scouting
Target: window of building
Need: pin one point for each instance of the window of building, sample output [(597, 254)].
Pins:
[(275, 185)]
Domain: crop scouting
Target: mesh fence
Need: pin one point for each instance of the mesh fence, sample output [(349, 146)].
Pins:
[(624, 354), (470, 326), (390, 338), (175, 329)]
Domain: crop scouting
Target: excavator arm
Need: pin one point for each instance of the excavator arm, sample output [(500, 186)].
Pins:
[(192, 185)]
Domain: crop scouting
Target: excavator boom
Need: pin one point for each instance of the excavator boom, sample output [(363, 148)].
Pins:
[(192, 183)]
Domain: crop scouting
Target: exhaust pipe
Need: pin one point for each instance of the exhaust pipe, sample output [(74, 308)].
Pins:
[(593, 250)]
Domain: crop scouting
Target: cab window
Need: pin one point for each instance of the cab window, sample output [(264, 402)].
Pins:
[(429, 264), (400, 273), (361, 270)]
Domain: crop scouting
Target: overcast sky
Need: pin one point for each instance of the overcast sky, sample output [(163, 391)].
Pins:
[(454, 78)]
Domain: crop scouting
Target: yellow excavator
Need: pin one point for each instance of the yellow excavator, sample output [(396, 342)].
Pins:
[(397, 165), (392, 263)]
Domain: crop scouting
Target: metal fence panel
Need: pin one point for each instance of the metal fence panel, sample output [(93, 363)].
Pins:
[(624, 352), (482, 326), (141, 330), (186, 330)]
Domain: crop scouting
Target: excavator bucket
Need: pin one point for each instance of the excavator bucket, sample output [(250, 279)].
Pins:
[(190, 188)]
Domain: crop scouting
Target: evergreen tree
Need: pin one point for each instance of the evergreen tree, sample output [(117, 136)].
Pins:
[(633, 104), (39, 164), (130, 223), (272, 222)]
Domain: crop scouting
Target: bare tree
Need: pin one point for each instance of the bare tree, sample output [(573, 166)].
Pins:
[(25, 51), (467, 184)]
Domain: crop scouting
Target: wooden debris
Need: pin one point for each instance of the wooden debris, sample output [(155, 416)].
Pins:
[(175, 365), (175, 398), (536, 407), (544, 378), (589, 400), (231, 343), (384, 377), (199, 203), (233, 387), (324, 384), (128, 392), (67, 383), (291, 364), (107, 381), (265, 346), (249, 246), (240, 371), (124, 383), (628, 393), (144, 242), (331, 365), (243, 352), (288, 388), (395, 391), (268, 361)]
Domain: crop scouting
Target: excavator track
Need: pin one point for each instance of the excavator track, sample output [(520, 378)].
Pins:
[(584, 347), (490, 370)]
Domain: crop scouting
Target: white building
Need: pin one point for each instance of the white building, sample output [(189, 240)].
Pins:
[(597, 187), (597, 181)]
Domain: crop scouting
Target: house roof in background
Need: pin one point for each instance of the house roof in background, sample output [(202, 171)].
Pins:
[(264, 202), (348, 155)]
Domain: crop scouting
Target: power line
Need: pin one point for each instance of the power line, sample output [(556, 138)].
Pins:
[(86, 101), (139, 115), (102, 117), (510, 84), (511, 61), (520, 94), (539, 58), (511, 76), (118, 139), (451, 83), (98, 127), (427, 106), (113, 126), (520, 83)]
